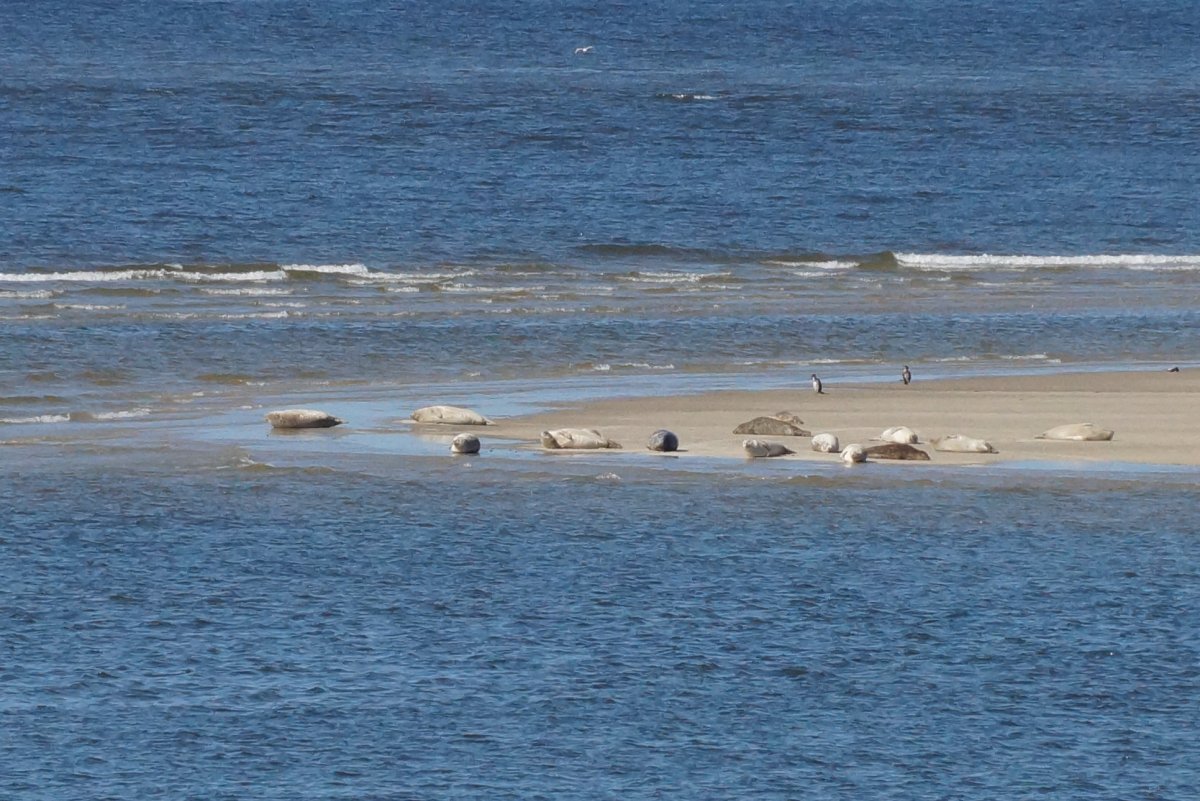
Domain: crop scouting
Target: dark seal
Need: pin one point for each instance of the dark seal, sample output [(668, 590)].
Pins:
[(663, 440)]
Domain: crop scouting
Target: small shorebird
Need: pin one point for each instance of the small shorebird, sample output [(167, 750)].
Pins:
[(906, 376), (816, 382), (581, 50)]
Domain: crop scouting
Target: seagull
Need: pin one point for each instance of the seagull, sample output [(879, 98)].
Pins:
[(906, 376), (816, 382), (581, 50)]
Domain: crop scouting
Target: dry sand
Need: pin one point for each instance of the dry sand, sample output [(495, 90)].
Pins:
[(1154, 415)]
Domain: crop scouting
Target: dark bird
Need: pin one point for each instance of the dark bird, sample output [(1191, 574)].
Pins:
[(906, 376), (1173, 370), (816, 382)]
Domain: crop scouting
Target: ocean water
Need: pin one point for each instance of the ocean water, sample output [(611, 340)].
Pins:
[(210, 208)]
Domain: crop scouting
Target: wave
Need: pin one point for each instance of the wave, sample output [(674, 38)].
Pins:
[(668, 277), (78, 417), (605, 367), (1141, 262), (194, 273), (41, 418), (686, 97)]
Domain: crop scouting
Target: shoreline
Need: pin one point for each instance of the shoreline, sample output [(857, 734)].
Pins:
[(1151, 413)]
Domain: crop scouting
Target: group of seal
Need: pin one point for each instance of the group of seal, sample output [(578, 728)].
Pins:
[(898, 441)]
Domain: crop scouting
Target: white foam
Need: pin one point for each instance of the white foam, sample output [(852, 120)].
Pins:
[(253, 276), (669, 277), (814, 265), (126, 415), (1031, 357), (634, 366), (250, 291), (986, 261), (84, 276), (37, 294), (255, 316), (421, 278), (41, 418), (331, 269)]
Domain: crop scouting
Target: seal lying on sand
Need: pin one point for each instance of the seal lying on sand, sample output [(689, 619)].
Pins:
[(573, 438), (897, 450), (901, 434), (853, 454), (663, 440), (771, 426), (302, 418), (453, 415), (759, 448), (825, 443), (465, 443), (1078, 432), (957, 443)]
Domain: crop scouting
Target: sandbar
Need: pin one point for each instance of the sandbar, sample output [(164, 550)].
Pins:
[(1154, 414)]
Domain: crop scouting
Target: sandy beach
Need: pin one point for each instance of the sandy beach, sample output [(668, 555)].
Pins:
[(1152, 413)]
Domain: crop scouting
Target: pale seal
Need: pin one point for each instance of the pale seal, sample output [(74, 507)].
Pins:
[(897, 450), (664, 441), (853, 454), (825, 443), (758, 448), (465, 443), (771, 426), (302, 418), (901, 434), (1078, 432), (576, 438), (957, 443), (452, 415)]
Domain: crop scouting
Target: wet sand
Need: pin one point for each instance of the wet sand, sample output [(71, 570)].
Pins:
[(1153, 414)]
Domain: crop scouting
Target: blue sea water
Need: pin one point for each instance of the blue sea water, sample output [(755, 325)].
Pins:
[(207, 206)]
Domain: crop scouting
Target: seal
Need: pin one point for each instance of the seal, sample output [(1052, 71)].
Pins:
[(957, 443), (788, 417), (465, 443), (771, 426), (1078, 432), (664, 441), (897, 450), (757, 448), (853, 454), (576, 438), (901, 434), (825, 443), (452, 415), (302, 418)]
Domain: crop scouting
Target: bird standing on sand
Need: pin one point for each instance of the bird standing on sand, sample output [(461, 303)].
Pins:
[(816, 382), (906, 376)]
